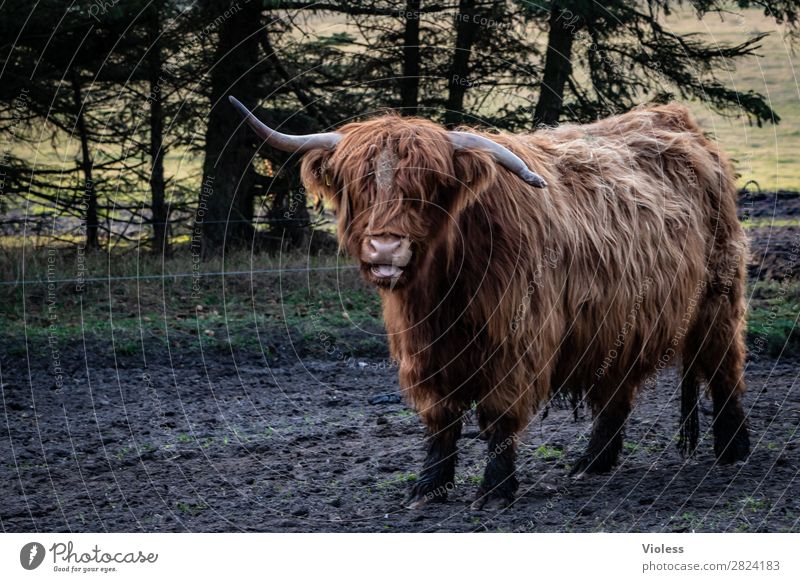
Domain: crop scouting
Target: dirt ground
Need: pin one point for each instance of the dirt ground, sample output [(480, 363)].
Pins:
[(222, 441), (774, 242)]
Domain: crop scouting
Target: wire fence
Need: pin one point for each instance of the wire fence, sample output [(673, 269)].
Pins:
[(163, 276), (48, 229), (240, 273)]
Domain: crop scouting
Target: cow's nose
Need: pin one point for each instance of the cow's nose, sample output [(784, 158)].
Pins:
[(381, 249)]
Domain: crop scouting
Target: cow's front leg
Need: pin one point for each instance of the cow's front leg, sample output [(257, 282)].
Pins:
[(438, 471), (499, 485)]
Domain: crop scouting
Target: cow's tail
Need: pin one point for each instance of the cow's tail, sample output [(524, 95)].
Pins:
[(690, 418)]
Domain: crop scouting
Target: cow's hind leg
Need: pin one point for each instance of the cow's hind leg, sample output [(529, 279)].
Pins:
[(720, 356), (610, 413), (499, 485), (689, 430), (438, 471)]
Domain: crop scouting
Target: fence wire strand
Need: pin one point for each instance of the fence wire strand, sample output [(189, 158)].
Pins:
[(176, 275)]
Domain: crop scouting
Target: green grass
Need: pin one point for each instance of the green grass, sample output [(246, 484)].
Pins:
[(767, 222), (547, 453), (772, 317), (752, 504), (397, 480), (629, 446), (473, 479), (191, 509), (405, 413), (325, 309), (330, 313)]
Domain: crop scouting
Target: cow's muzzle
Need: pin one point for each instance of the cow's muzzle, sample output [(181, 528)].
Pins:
[(386, 255)]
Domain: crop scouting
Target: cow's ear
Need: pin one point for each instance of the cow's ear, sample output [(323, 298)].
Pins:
[(316, 175), (474, 171)]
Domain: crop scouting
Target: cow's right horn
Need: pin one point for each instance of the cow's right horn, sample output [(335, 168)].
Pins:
[(282, 141), (502, 155)]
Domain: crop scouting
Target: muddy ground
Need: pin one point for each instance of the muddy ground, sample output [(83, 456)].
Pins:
[(773, 233), (221, 441)]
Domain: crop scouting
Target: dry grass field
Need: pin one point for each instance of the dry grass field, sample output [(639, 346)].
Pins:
[(767, 154)]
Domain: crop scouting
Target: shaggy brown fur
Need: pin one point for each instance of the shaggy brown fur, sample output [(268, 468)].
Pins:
[(632, 257)]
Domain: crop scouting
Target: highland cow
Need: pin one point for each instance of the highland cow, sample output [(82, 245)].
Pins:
[(579, 260)]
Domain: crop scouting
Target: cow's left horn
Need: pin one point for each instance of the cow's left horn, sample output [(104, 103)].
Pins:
[(282, 141), (502, 155)]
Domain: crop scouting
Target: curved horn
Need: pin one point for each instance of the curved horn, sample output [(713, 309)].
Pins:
[(282, 141), (502, 155)]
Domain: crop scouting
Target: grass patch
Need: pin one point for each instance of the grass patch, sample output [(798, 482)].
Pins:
[(752, 504), (547, 453), (772, 316), (398, 479), (192, 509), (767, 222), (326, 313), (139, 299)]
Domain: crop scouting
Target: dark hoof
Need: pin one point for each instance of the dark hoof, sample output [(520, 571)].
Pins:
[(687, 447), (589, 464), (731, 450), (494, 500), (415, 502), (422, 494)]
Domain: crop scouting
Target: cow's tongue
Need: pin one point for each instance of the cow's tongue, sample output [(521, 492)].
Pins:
[(387, 270)]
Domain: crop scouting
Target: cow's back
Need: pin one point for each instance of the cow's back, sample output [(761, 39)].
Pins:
[(652, 226)]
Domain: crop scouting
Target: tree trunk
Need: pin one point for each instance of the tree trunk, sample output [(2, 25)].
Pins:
[(157, 185), (409, 84), (458, 82), (557, 66), (226, 193), (89, 189), (288, 215)]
